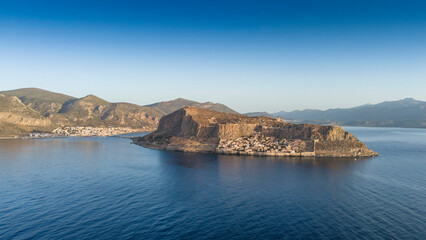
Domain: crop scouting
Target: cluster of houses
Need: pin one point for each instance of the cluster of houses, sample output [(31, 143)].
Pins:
[(40, 135), (92, 131), (261, 143)]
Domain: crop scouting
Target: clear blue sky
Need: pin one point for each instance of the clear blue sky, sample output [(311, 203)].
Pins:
[(250, 55)]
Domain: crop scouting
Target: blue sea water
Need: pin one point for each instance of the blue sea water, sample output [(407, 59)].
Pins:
[(107, 188)]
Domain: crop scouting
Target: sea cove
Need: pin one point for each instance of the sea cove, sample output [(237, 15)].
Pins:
[(104, 187)]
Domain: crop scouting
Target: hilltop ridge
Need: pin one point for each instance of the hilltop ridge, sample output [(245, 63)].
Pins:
[(34, 95), (167, 107), (43, 101)]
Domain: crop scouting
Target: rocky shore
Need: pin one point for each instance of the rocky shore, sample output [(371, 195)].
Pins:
[(200, 130)]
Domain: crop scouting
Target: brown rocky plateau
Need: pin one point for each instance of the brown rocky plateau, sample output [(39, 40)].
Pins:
[(191, 129)]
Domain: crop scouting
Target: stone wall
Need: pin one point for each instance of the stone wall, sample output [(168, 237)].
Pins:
[(342, 149), (307, 132)]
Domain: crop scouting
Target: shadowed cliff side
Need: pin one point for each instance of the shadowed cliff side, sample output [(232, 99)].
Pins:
[(192, 129)]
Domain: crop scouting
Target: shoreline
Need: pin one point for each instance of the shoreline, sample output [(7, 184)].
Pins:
[(165, 147), (53, 136)]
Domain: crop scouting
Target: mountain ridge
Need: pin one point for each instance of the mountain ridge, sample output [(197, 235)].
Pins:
[(62, 110), (52, 109), (407, 112)]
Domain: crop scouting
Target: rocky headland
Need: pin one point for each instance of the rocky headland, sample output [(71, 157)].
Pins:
[(191, 129)]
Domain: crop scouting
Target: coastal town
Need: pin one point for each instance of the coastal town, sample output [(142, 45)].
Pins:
[(264, 144), (85, 132)]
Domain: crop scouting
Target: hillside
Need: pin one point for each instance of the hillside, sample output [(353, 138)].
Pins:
[(95, 112), (402, 113), (33, 106), (39, 110), (44, 102), (83, 111), (16, 118), (129, 115), (192, 129), (35, 95), (173, 105)]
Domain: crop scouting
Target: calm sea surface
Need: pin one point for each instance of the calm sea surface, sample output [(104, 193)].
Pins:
[(107, 188)]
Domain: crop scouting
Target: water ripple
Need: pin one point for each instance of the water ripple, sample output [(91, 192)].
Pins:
[(106, 188)]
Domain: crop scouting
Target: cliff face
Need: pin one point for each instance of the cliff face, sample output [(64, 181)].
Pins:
[(200, 130)]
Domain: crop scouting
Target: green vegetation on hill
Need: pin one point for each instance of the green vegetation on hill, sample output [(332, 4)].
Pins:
[(130, 115), (81, 112), (36, 95), (94, 111), (44, 102)]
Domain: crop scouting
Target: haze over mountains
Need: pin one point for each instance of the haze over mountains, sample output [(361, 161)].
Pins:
[(33, 109), (406, 112)]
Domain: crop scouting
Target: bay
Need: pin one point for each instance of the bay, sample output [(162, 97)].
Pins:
[(108, 188)]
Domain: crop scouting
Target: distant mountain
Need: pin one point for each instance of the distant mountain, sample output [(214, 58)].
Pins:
[(402, 113), (258, 114), (173, 105)]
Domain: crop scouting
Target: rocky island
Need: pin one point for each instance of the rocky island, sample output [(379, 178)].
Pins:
[(191, 129)]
